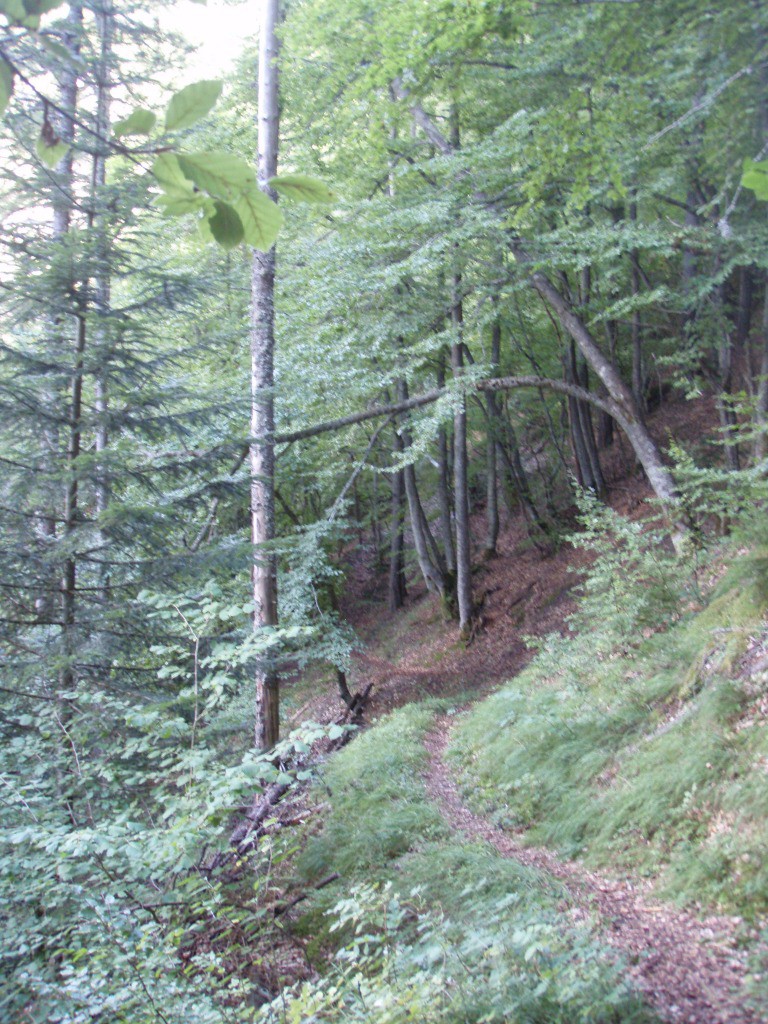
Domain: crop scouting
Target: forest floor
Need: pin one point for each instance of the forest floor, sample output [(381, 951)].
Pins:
[(690, 969)]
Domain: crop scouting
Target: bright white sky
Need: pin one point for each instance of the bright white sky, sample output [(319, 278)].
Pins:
[(219, 28)]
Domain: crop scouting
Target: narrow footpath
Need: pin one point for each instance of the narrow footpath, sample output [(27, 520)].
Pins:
[(691, 971)]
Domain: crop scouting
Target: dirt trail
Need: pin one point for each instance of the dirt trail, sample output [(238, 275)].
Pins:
[(690, 970)]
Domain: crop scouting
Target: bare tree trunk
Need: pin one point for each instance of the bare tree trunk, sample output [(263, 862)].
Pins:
[(746, 303), (460, 477), (605, 422), (396, 590), (645, 447), (638, 370), (728, 420), (492, 446), (443, 487), (588, 470), (262, 445), (62, 213), (761, 403), (432, 567), (102, 291)]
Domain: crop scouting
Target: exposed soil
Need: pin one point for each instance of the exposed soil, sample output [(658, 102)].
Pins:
[(689, 970)]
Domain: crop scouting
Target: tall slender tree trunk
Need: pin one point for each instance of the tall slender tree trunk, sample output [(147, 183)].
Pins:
[(396, 590), (443, 476), (638, 370), (428, 554), (492, 445), (262, 446), (460, 460), (62, 215), (460, 477), (761, 399), (102, 290)]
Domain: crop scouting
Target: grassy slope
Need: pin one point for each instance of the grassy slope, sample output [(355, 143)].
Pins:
[(485, 938), (656, 763)]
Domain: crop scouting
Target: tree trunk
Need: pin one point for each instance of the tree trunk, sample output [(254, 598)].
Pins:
[(61, 226), (432, 569), (102, 290), (460, 476), (638, 371), (645, 447), (396, 590), (443, 486), (492, 444), (761, 400), (588, 470), (262, 445)]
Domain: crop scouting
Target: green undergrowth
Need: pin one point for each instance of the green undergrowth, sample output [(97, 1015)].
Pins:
[(654, 761), (426, 925)]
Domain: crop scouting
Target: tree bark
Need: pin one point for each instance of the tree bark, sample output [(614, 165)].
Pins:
[(645, 447), (396, 589), (638, 370), (443, 487), (492, 444), (62, 213), (102, 292), (460, 477), (262, 447), (432, 569)]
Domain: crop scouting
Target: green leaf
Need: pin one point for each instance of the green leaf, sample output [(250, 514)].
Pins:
[(50, 152), (192, 103), (6, 85), (167, 171), (175, 202), (226, 227), (14, 10), (302, 187), (138, 122), (37, 7), (179, 194), (220, 174), (755, 177), (260, 217)]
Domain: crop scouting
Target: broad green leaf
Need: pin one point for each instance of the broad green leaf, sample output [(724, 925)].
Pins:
[(167, 171), (179, 195), (51, 152), (37, 7), (755, 177), (192, 103), (301, 186), (14, 10), (220, 174), (176, 201), (6, 85), (260, 217), (226, 226), (139, 122)]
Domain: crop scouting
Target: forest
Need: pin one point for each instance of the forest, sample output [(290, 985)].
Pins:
[(383, 491)]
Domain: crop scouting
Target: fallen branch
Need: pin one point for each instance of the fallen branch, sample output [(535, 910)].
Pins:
[(283, 908)]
